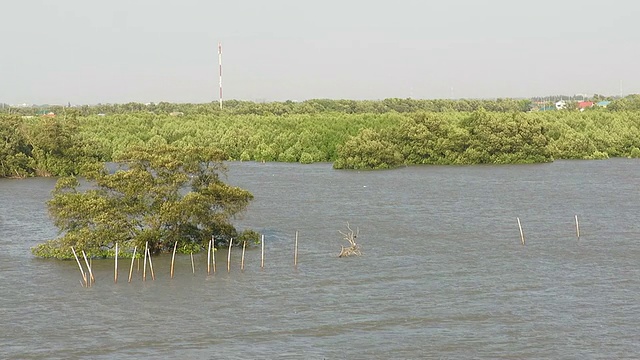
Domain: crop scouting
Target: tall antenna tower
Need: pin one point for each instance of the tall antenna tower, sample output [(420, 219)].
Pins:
[(220, 70)]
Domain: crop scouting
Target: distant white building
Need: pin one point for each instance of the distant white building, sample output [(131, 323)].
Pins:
[(561, 105)]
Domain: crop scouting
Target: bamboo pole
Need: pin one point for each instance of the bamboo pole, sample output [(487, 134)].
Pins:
[(244, 246), (144, 267), (84, 276), (209, 259), (115, 270), (577, 228), (521, 233), (262, 254), (193, 267), (133, 258), (213, 253), (295, 251), (153, 275), (173, 257), (229, 256), (91, 278)]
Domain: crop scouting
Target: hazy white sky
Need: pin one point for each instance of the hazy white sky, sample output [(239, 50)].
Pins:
[(86, 51)]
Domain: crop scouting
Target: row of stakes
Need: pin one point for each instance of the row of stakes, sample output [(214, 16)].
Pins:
[(88, 279)]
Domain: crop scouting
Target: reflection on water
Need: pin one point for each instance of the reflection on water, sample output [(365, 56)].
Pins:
[(443, 273)]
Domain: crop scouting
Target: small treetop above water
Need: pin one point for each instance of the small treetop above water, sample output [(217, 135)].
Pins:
[(158, 195)]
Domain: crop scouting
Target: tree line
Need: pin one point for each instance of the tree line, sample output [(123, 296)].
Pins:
[(318, 106), (314, 106), (63, 145)]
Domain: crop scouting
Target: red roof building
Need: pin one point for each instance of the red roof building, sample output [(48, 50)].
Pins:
[(585, 104)]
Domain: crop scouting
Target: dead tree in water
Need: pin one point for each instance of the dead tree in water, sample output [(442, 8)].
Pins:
[(353, 248)]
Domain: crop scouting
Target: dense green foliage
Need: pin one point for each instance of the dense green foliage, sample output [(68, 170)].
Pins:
[(44, 146), (352, 134), (431, 138), (159, 195)]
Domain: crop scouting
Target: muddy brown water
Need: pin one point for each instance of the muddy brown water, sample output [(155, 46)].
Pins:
[(443, 273)]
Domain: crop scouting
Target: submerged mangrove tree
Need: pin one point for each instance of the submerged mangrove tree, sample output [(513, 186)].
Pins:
[(158, 196)]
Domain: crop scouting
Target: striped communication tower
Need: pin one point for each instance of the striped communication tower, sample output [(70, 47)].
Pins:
[(220, 70)]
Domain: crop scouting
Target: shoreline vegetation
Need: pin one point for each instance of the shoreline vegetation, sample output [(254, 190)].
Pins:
[(350, 134), (168, 147)]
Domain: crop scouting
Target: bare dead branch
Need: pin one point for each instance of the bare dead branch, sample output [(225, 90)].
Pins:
[(353, 248)]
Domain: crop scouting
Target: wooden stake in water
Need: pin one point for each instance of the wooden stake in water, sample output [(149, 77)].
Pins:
[(84, 276), (173, 257), (209, 259), (262, 255), (144, 267), (133, 258), (577, 227), (295, 251), (521, 233), (244, 246), (213, 254), (92, 280), (115, 271), (153, 275), (193, 266), (229, 256)]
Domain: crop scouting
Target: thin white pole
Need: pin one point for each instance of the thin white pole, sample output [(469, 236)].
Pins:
[(173, 257), (153, 276), (115, 271), (220, 70), (244, 246), (144, 270), (84, 276), (262, 256), (91, 278), (213, 253), (133, 257), (577, 227), (209, 258), (229, 256), (521, 233)]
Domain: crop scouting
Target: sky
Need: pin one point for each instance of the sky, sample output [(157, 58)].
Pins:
[(119, 51)]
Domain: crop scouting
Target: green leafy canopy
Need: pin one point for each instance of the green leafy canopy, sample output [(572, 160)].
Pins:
[(158, 195)]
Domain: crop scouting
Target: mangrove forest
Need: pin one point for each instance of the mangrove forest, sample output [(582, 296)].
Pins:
[(350, 134)]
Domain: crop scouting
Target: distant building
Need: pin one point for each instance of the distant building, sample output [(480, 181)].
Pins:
[(561, 105), (603, 104), (585, 105)]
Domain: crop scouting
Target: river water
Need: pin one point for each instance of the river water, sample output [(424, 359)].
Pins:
[(443, 272)]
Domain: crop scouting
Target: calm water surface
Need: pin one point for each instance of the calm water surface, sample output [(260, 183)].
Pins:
[(443, 274)]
